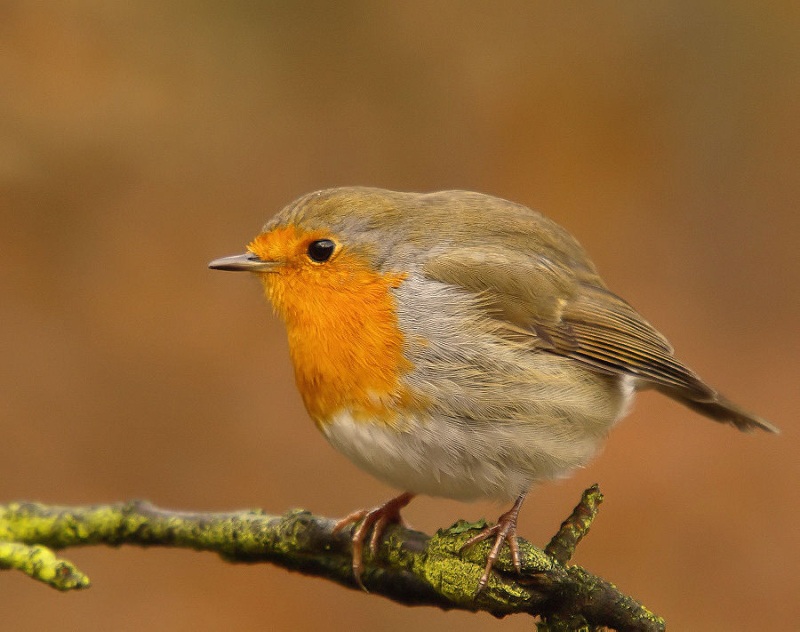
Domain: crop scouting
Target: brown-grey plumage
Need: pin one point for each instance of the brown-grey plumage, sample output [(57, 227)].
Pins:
[(530, 274)]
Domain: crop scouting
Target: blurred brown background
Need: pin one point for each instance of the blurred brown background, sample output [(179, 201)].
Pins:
[(140, 140)]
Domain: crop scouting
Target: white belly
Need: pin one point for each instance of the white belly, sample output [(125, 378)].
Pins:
[(458, 459)]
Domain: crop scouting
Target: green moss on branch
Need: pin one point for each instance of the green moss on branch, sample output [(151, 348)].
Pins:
[(411, 568)]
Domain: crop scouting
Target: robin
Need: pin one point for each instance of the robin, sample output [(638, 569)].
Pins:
[(457, 345)]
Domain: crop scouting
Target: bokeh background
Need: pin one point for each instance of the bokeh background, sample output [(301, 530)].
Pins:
[(138, 141)]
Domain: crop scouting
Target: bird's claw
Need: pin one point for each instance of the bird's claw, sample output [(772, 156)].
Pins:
[(377, 519), (505, 531)]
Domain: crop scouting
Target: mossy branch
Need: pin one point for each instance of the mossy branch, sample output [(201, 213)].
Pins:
[(411, 568)]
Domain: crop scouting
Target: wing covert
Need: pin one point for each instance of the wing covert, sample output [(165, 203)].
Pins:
[(567, 310)]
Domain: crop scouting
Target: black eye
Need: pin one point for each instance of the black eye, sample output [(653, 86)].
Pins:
[(321, 250)]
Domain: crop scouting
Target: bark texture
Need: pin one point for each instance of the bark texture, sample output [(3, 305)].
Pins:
[(410, 568)]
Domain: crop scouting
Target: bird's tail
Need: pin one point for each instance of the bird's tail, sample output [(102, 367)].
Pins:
[(719, 408)]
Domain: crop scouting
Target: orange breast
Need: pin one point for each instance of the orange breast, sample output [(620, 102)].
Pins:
[(340, 316)]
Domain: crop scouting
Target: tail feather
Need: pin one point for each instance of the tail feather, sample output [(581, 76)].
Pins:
[(721, 409)]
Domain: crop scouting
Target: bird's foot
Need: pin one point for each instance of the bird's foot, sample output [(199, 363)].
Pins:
[(377, 519), (505, 531)]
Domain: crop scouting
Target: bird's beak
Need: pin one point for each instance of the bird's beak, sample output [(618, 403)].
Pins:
[(248, 262)]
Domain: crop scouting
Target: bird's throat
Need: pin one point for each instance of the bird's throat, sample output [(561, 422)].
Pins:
[(344, 340)]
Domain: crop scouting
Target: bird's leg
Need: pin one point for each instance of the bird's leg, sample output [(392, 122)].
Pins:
[(378, 518), (504, 531)]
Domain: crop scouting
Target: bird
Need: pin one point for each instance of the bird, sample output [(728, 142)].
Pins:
[(455, 344)]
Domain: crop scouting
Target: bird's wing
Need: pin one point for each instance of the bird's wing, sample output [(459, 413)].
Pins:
[(567, 310)]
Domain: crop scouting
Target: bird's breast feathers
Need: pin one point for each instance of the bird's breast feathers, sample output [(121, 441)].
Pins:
[(452, 458)]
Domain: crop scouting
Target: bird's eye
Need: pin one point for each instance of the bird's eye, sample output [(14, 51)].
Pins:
[(321, 250)]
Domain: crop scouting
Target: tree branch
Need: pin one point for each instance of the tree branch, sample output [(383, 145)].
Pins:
[(411, 568)]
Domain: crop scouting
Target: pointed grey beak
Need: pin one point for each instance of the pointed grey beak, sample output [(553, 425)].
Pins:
[(248, 262)]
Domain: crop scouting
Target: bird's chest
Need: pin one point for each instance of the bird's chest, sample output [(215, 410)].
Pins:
[(347, 352)]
